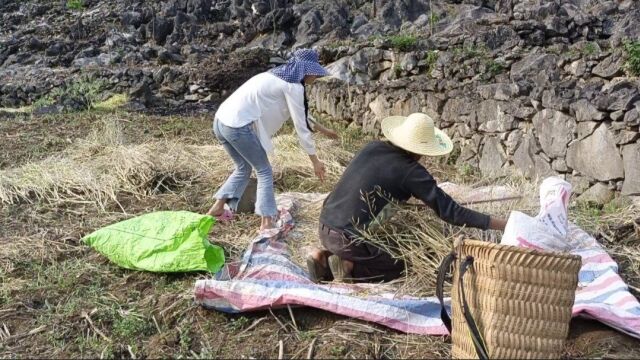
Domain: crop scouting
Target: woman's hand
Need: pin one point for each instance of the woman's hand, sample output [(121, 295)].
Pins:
[(324, 131), (329, 133), (318, 167)]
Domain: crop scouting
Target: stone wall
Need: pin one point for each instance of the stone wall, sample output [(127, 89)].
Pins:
[(547, 112)]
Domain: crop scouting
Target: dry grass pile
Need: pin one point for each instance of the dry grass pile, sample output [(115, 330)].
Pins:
[(103, 166)]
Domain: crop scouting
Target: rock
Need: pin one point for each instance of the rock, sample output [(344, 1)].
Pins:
[(596, 156), (131, 18), (280, 18), (191, 97), (555, 26), (610, 67), (409, 62), (513, 140), (501, 91), (577, 68), (55, 49), (632, 117), (631, 157), (598, 194), (208, 99), (160, 28), (524, 155), (626, 136), (579, 184), (585, 129), (557, 99), (554, 130), (340, 69), (201, 9), (542, 167), (492, 118), (193, 88), (493, 157), (585, 111), (456, 107), (37, 44), (166, 57), (619, 94), (559, 165), (48, 110), (97, 61), (142, 92), (541, 68)]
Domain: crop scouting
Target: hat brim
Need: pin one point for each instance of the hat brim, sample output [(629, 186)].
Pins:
[(314, 69), (442, 146)]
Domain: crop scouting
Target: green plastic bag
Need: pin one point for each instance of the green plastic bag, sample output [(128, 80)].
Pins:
[(164, 241)]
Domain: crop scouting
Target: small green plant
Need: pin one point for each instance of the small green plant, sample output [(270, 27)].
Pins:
[(590, 48), (185, 340), (75, 4), (403, 42), (239, 323), (130, 326), (494, 68), (338, 350), (431, 58), (433, 19), (466, 170), (397, 70), (632, 65)]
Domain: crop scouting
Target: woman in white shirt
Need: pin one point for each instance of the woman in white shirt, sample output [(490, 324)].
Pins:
[(246, 121)]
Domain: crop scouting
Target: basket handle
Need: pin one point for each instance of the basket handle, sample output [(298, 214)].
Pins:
[(476, 337)]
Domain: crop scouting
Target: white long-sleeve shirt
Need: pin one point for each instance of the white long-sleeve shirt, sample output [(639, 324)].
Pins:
[(267, 101)]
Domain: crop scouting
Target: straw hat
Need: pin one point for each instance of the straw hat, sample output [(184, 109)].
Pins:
[(417, 134)]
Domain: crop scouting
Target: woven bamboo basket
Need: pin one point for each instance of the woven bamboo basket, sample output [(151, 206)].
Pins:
[(520, 299)]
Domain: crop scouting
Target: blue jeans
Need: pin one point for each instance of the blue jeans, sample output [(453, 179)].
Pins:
[(244, 147)]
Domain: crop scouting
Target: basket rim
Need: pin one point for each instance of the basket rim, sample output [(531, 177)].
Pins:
[(521, 250)]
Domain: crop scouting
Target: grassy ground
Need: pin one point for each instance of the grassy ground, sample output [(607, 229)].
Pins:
[(59, 298)]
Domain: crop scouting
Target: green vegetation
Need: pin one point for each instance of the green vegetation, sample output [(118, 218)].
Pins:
[(590, 48), (632, 65), (433, 19), (239, 323), (494, 68), (131, 326), (403, 42), (75, 4), (431, 58), (85, 91)]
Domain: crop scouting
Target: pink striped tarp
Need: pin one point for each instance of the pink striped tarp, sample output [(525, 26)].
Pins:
[(266, 277)]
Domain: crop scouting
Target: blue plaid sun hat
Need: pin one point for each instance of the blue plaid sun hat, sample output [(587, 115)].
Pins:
[(304, 62)]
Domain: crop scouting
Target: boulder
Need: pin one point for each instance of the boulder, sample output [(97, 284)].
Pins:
[(610, 67), (541, 68), (131, 18), (160, 28), (493, 157), (626, 136), (632, 117), (492, 117), (585, 129), (596, 156), (585, 111), (631, 157), (524, 155), (619, 94), (598, 194), (554, 130)]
